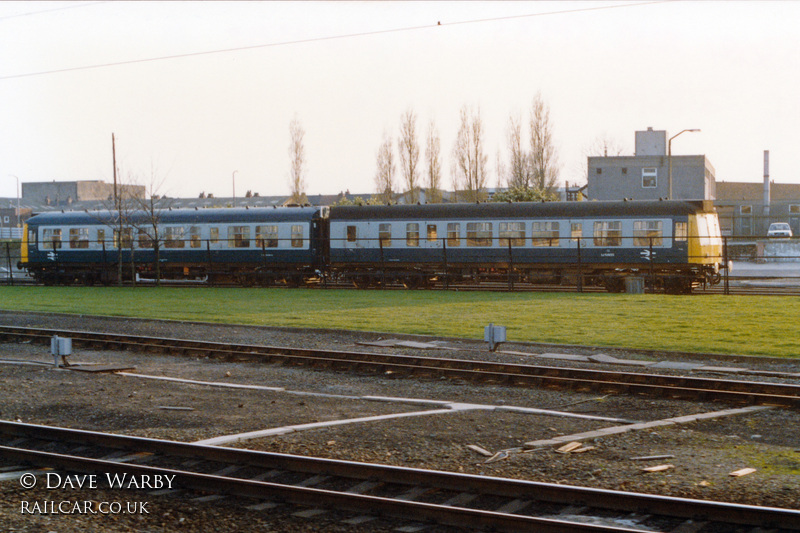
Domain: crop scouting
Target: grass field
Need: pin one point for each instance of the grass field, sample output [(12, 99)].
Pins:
[(753, 325)]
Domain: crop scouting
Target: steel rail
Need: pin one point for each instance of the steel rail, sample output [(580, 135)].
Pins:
[(721, 512), (683, 387)]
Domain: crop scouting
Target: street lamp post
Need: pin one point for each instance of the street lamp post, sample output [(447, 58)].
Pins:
[(669, 160), (233, 180)]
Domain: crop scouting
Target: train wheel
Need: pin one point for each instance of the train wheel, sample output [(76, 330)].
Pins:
[(614, 284), (412, 282), (361, 281)]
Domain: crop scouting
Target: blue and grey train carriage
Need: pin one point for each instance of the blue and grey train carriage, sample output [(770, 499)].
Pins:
[(245, 246), (674, 243)]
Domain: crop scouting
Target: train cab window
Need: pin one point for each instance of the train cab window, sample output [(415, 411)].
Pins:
[(194, 237), (512, 233), (124, 239), (78, 237), (544, 233), (144, 240), (412, 234), (479, 233), (432, 237), (297, 236), (267, 236), (453, 234), (385, 235), (608, 233), (239, 236), (173, 237), (647, 232), (213, 235), (52, 238), (352, 234), (681, 231)]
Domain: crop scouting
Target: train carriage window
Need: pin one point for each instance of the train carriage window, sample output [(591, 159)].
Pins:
[(352, 234), (239, 236), (412, 234), (453, 234), (194, 237), (213, 235), (608, 233), (297, 236), (267, 236), (174, 237), (78, 237), (432, 233), (544, 233), (385, 235), (101, 238), (32, 238), (52, 238), (512, 233), (681, 231), (126, 240), (479, 233), (647, 231), (576, 231), (144, 240)]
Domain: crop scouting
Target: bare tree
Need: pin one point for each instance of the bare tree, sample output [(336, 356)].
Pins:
[(433, 173), (384, 173), (519, 169), (297, 156), (409, 153), (469, 168), (603, 145), (543, 157), (147, 222)]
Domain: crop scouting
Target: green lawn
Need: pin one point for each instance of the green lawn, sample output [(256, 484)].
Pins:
[(754, 325)]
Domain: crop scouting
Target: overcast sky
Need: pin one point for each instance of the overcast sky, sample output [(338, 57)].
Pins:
[(73, 73)]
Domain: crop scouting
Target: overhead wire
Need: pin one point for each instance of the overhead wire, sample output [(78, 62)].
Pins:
[(327, 38)]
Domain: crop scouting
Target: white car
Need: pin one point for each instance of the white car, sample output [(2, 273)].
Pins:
[(779, 229)]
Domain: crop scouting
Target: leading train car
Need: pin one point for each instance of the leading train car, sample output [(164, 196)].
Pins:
[(245, 246), (673, 244)]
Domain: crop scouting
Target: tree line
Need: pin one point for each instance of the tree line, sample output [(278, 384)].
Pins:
[(529, 168)]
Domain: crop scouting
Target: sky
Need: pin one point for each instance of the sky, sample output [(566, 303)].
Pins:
[(200, 95)]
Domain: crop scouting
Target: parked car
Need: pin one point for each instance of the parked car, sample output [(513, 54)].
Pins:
[(779, 229)]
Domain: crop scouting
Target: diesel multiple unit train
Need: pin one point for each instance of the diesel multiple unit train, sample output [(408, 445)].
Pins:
[(674, 245)]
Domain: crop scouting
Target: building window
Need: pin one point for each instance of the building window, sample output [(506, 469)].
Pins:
[(649, 178), (453, 234), (746, 209), (412, 234), (794, 209), (384, 235), (544, 233), (624, 170), (599, 170), (646, 232), (608, 233)]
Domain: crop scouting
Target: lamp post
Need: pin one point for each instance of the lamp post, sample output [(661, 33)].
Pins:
[(233, 180), (669, 160), (18, 210)]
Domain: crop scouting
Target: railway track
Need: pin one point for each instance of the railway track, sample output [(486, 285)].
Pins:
[(368, 490), (577, 379)]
